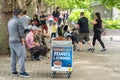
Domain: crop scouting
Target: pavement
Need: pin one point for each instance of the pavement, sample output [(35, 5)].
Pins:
[(86, 65)]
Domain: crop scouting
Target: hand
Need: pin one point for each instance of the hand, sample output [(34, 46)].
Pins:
[(23, 41), (37, 44)]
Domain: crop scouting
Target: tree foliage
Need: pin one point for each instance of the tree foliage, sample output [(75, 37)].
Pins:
[(111, 3), (70, 4)]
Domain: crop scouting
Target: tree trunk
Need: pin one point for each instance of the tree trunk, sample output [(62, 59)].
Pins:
[(6, 12)]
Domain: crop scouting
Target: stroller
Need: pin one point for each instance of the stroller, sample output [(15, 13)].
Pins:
[(71, 35)]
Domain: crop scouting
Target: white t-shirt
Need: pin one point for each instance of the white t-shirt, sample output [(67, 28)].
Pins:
[(25, 20)]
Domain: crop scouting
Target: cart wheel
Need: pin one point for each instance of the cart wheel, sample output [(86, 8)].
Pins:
[(53, 74), (68, 74)]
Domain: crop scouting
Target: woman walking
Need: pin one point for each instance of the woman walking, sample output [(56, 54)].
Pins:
[(97, 24)]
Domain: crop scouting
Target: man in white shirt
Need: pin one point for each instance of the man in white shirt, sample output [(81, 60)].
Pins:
[(25, 19)]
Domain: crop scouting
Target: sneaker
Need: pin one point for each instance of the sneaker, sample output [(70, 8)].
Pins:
[(48, 49), (15, 73), (78, 50), (91, 49), (103, 50), (24, 74), (37, 59)]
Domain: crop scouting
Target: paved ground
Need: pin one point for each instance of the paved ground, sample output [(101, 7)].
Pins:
[(86, 65)]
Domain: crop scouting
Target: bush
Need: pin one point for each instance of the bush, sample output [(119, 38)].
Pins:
[(108, 24), (75, 14), (111, 24)]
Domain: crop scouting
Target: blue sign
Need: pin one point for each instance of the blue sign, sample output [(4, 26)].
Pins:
[(62, 56)]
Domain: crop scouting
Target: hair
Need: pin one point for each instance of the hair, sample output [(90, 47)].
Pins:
[(82, 14), (42, 12), (17, 11), (57, 8), (65, 28), (24, 12), (35, 15), (98, 15)]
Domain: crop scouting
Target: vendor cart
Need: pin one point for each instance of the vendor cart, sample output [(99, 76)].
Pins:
[(61, 57)]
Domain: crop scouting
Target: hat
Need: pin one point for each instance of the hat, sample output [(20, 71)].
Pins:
[(35, 28), (17, 11)]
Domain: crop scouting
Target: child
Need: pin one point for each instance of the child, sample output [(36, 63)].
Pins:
[(53, 30)]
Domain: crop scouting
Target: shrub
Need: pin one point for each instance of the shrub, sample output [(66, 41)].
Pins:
[(111, 24)]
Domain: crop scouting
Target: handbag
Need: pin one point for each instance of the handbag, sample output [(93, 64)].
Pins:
[(101, 29)]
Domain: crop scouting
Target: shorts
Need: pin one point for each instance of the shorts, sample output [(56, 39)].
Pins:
[(44, 27), (83, 36), (56, 19)]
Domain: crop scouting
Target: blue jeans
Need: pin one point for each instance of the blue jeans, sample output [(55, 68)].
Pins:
[(17, 50)]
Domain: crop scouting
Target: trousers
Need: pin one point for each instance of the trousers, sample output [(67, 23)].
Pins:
[(17, 51)]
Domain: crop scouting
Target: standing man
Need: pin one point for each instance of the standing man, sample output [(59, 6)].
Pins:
[(17, 43), (43, 19), (25, 20), (83, 29), (56, 15)]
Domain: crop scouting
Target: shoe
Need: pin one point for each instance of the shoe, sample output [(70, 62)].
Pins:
[(78, 50), (24, 74), (103, 50), (15, 73), (37, 59), (48, 49), (91, 49)]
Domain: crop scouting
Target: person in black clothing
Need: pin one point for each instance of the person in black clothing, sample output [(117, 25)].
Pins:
[(56, 15), (35, 20), (97, 23), (43, 19), (83, 29)]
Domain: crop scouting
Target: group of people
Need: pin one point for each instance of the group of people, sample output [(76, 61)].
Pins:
[(83, 29), (29, 33), (24, 32)]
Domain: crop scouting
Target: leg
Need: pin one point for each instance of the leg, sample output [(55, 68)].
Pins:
[(94, 40), (13, 59), (80, 45), (21, 52), (80, 38), (42, 28), (52, 35), (46, 28), (87, 38), (100, 41)]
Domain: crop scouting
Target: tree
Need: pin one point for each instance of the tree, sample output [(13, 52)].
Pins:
[(7, 11), (111, 3)]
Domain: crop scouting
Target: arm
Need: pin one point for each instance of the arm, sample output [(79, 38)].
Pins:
[(41, 18), (78, 24), (94, 22), (21, 32)]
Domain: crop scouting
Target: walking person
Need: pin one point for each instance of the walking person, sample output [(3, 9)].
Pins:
[(83, 29), (17, 43), (97, 23)]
